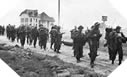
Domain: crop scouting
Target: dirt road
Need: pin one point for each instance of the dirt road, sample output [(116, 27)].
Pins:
[(103, 65)]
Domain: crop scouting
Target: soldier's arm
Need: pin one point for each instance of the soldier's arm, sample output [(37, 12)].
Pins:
[(122, 34)]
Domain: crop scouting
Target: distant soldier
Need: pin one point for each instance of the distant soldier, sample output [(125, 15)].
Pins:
[(13, 33), (17, 34), (3, 30), (53, 33), (79, 41), (22, 35), (34, 34), (28, 32), (43, 36), (58, 38), (8, 31), (73, 32)]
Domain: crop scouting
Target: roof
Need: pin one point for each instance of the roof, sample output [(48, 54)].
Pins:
[(44, 17), (31, 13), (34, 13)]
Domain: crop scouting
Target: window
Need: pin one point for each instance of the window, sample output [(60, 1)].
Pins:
[(31, 20), (26, 20), (22, 19)]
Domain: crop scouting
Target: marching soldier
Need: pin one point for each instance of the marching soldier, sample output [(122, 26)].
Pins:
[(34, 34), (22, 35), (73, 32), (58, 38), (3, 30), (52, 35), (120, 38), (43, 36), (79, 41)]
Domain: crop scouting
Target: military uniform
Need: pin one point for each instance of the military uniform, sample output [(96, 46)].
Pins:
[(119, 39), (22, 35), (58, 37), (34, 35), (43, 37), (53, 33), (79, 41), (93, 40)]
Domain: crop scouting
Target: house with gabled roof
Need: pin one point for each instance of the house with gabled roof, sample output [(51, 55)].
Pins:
[(31, 18), (45, 20)]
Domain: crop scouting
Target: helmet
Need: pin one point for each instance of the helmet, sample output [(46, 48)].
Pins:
[(80, 27), (97, 24), (118, 27)]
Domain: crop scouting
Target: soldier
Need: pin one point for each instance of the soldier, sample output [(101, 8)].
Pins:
[(17, 34), (8, 31), (29, 38), (52, 35), (78, 44), (22, 35), (93, 40), (3, 30), (73, 32), (43, 36), (34, 34), (13, 33), (58, 38), (119, 39), (109, 41)]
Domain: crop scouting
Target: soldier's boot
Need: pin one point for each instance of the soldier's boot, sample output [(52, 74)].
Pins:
[(41, 47), (55, 50), (35, 43), (112, 61), (92, 64), (74, 53), (120, 62), (58, 51), (17, 39), (51, 45), (34, 46), (78, 60), (44, 48)]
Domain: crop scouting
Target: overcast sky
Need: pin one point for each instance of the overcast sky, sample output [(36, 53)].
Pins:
[(73, 12)]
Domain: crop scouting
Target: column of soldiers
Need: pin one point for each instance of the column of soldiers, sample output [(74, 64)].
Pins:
[(31, 34), (114, 38)]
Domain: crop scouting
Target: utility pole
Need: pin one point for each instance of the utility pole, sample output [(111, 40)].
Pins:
[(58, 12)]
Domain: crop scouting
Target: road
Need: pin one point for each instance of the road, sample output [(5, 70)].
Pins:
[(102, 63)]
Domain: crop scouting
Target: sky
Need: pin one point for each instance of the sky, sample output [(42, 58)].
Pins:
[(73, 12)]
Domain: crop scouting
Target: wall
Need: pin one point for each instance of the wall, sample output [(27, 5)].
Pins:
[(29, 22)]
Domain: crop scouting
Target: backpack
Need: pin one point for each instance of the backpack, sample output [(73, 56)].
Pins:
[(43, 33), (74, 34), (53, 33)]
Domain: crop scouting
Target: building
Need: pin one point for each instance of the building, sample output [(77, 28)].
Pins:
[(32, 18), (29, 17), (45, 20)]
